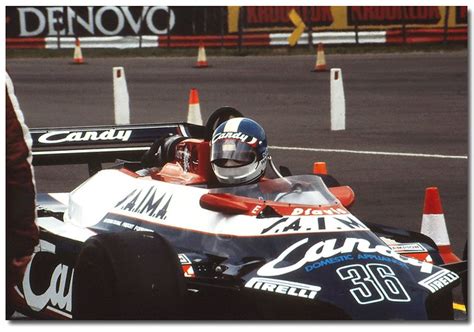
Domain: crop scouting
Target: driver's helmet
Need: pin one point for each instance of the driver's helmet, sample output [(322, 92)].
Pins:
[(239, 151)]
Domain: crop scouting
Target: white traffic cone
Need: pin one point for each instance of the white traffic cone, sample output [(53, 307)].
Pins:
[(78, 58), (320, 64), (433, 225), (201, 60)]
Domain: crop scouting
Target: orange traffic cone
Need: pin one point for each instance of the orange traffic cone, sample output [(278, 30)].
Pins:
[(320, 59), (78, 59), (201, 60), (434, 225), (194, 110), (319, 167)]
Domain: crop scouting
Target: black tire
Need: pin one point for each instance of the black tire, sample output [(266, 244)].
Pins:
[(127, 275)]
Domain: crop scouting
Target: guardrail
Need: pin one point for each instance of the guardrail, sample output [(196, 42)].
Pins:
[(414, 36), (392, 36)]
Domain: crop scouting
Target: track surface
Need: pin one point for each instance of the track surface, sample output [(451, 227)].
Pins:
[(407, 103)]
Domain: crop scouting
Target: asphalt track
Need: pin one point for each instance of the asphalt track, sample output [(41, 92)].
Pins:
[(412, 108)]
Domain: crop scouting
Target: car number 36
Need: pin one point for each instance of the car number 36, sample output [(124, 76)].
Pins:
[(374, 283)]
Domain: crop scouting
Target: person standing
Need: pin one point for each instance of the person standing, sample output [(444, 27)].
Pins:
[(21, 230)]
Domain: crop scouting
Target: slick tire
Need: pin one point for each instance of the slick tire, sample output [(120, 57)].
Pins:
[(127, 275)]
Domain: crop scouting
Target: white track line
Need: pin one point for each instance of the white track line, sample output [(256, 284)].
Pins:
[(400, 154)]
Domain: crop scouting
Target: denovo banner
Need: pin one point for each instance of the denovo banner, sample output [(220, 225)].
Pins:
[(85, 21)]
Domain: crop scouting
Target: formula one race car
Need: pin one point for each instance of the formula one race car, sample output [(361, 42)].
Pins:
[(163, 243)]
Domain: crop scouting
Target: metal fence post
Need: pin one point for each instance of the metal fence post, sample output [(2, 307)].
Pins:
[(446, 23), (404, 31), (356, 27), (168, 28), (205, 20), (58, 26), (240, 30), (140, 32), (74, 22), (310, 30), (193, 20), (65, 20), (221, 21)]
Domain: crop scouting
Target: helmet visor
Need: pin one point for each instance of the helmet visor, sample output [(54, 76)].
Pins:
[(232, 149)]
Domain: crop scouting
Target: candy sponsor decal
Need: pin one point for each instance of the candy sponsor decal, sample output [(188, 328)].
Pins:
[(348, 257), (62, 136), (56, 294), (237, 136), (283, 264)]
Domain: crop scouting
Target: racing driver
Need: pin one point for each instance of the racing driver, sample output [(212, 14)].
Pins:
[(238, 155)]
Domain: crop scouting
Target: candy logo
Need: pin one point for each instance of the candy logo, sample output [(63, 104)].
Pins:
[(238, 136), (58, 293), (78, 136), (327, 249)]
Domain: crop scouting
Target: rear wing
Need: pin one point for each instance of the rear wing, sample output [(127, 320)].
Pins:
[(101, 144)]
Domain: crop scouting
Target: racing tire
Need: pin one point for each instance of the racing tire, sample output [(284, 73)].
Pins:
[(127, 275)]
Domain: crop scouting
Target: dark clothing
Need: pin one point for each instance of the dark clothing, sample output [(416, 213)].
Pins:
[(21, 230)]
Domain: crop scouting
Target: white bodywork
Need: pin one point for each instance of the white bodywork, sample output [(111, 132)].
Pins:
[(113, 193)]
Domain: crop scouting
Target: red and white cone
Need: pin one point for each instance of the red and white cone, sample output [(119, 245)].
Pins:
[(194, 110), (78, 59), (320, 59), (201, 60), (433, 225)]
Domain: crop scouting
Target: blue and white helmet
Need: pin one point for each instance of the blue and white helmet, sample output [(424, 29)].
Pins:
[(239, 151)]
